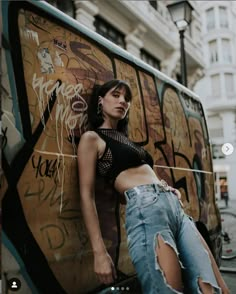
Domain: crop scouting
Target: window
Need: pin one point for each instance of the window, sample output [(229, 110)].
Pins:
[(217, 152), (223, 17), (65, 6), (149, 59), (227, 57), (109, 32), (210, 18), (216, 133), (213, 52), (153, 3), (215, 84), (229, 83)]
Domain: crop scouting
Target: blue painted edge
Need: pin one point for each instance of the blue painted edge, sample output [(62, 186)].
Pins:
[(11, 76)]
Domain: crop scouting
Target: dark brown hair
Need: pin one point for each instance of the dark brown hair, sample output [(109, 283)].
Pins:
[(95, 119)]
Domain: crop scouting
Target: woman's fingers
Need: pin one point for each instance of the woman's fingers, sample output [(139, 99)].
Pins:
[(178, 194), (106, 278), (104, 268)]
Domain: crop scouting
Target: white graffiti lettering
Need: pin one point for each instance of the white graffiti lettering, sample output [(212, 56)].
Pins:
[(29, 34), (70, 106), (66, 90)]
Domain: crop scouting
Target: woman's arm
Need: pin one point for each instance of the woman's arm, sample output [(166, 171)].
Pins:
[(87, 158)]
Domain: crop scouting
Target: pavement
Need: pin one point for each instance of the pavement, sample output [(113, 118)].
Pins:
[(231, 205), (228, 217), (228, 265)]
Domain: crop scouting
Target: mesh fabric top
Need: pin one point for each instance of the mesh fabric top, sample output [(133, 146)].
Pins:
[(120, 154)]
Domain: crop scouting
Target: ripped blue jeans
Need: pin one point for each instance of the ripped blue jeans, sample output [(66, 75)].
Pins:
[(152, 211)]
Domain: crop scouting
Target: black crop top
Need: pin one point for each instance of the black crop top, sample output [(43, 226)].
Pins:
[(120, 154)]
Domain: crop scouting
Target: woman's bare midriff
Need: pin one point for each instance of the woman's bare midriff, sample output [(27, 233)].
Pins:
[(132, 177)]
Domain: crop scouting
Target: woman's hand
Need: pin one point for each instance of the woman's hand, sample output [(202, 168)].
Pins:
[(178, 194), (104, 268)]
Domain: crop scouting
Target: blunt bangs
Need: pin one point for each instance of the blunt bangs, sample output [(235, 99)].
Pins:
[(124, 86), (117, 84)]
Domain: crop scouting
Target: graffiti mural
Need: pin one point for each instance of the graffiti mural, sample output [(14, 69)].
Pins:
[(47, 82)]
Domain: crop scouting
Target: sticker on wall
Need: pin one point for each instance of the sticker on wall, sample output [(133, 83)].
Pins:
[(30, 35), (60, 44), (57, 60), (46, 61)]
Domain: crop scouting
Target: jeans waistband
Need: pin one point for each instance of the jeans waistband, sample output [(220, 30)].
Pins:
[(159, 187)]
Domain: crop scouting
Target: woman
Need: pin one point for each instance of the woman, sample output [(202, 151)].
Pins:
[(166, 249)]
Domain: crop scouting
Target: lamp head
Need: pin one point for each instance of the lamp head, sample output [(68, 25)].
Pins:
[(181, 13)]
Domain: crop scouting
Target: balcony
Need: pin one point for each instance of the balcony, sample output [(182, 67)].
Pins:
[(161, 28)]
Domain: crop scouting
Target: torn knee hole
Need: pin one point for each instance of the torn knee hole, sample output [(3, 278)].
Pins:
[(169, 264), (205, 287), (161, 242), (161, 245)]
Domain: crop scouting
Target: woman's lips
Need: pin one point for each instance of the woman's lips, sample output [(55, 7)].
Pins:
[(120, 108)]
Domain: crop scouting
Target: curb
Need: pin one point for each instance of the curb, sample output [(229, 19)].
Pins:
[(225, 269)]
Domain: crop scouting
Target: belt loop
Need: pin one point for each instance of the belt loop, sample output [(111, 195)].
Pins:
[(154, 186)]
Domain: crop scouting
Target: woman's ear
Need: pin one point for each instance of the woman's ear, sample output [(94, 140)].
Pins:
[(99, 99)]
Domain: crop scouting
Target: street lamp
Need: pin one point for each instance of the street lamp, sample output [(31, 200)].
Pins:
[(181, 14)]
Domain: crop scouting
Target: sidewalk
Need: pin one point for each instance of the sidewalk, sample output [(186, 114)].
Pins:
[(229, 249), (228, 266), (231, 205), (229, 224)]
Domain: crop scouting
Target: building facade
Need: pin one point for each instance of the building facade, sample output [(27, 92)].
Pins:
[(218, 88), (145, 29)]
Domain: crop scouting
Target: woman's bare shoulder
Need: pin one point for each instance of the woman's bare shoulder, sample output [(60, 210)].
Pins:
[(88, 138), (89, 135)]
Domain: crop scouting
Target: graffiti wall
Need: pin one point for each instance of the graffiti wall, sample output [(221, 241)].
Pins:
[(47, 81)]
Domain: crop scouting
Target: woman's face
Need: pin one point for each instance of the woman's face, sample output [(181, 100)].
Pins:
[(115, 104)]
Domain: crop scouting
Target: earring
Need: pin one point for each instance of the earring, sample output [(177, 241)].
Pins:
[(99, 109)]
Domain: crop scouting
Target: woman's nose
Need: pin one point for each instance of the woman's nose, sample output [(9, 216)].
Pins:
[(122, 99)]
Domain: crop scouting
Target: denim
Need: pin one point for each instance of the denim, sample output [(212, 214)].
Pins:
[(153, 211)]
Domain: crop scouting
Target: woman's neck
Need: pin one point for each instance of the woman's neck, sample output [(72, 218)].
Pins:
[(109, 125)]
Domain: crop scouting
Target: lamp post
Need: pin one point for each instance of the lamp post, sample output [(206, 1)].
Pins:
[(181, 14)]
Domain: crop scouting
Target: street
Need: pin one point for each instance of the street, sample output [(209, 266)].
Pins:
[(228, 267)]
